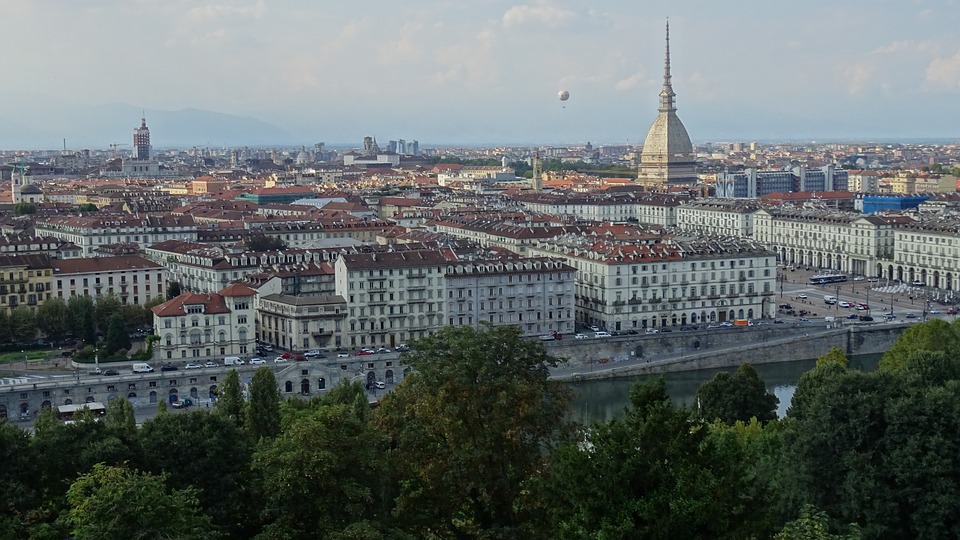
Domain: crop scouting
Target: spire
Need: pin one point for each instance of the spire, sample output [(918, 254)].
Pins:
[(667, 94)]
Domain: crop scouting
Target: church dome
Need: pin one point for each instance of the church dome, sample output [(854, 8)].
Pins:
[(667, 136)]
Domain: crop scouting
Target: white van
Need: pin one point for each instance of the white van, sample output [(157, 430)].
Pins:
[(141, 367), (232, 361), (601, 334)]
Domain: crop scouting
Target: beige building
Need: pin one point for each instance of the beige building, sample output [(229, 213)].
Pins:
[(300, 323), (134, 279), (927, 253), (25, 280), (205, 327), (717, 217)]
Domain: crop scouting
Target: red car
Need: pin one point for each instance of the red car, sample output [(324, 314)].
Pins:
[(364, 352)]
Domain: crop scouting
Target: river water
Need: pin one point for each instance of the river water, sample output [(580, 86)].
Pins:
[(603, 399)]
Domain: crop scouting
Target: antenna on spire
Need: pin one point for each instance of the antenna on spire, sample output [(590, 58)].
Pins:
[(667, 94)]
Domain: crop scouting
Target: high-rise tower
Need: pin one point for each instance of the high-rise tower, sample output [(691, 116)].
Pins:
[(667, 158), (141, 141)]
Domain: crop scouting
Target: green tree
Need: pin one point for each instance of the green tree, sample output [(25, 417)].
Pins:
[(174, 289), (468, 429), (321, 477), (17, 493), (114, 502), (118, 338), (121, 417), (737, 397), (106, 307), (833, 356), (87, 207), (813, 524), (657, 473), (263, 411), (83, 318), (23, 323), (24, 208), (935, 335), (210, 452), (5, 333), (53, 318), (230, 398)]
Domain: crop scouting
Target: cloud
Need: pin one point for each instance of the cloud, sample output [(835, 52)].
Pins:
[(550, 16), (633, 81), (855, 78), (895, 47), (214, 12), (944, 72)]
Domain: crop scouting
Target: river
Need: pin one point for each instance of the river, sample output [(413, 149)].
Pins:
[(604, 399)]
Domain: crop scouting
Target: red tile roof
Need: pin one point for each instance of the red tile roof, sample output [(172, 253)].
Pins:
[(103, 264), (212, 302)]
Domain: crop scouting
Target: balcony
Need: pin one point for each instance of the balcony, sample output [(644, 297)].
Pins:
[(321, 332)]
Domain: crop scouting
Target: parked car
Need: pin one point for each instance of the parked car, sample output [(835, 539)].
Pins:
[(594, 327), (279, 359), (804, 319), (168, 367), (403, 347), (866, 318), (652, 331), (726, 324), (343, 355), (381, 385), (601, 334), (210, 363), (547, 337), (580, 336), (852, 316), (383, 350), (257, 361), (111, 372), (192, 366), (802, 296), (778, 321), (96, 371), (182, 403), (312, 353), (364, 352), (911, 315), (934, 312)]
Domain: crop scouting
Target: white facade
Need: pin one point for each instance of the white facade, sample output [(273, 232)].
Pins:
[(134, 279), (717, 217), (205, 327), (90, 233)]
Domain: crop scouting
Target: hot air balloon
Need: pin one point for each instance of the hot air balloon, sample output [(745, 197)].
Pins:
[(563, 95)]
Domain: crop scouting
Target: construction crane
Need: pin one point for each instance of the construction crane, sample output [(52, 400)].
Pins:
[(115, 146)]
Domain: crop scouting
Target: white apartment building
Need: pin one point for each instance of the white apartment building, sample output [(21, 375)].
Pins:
[(647, 208), (534, 294), (626, 286), (717, 217), (842, 241), (392, 297), (491, 233), (134, 279), (927, 252), (205, 326), (92, 232)]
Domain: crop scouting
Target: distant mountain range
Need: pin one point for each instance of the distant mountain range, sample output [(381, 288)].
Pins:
[(33, 127)]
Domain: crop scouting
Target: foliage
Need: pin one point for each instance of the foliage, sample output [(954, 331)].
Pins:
[(263, 412), (24, 208), (174, 289), (87, 207), (207, 451), (105, 308), (230, 398), (657, 473), (813, 524), (834, 356), (23, 323), (115, 502), (53, 317), (935, 335), (17, 490), (263, 242), (83, 318), (118, 338), (468, 430), (738, 397), (321, 477), (146, 354), (121, 418)]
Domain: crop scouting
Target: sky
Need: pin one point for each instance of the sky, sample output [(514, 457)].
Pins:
[(488, 71)]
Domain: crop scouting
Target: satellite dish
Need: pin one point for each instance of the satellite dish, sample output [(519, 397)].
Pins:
[(563, 95)]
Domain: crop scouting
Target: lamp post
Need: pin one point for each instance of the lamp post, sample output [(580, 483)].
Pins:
[(838, 298)]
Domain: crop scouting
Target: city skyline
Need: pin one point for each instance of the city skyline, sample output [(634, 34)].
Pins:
[(484, 73)]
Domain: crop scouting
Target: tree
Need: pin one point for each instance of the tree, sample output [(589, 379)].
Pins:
[(83, 318), (24, 208), (210, 452), (117, 340), (53, 318), (833, 356), (321, 477), (114, 502), (17, 494), (121, 418), (935, 335), (263, 412), (87, 207), (174, 289), (738, 397), (813, 524), (263, 242), (230, 398), (469, 428), (106, 307), (23, 323), (657, 473)]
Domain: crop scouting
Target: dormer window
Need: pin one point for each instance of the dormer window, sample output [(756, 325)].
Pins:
[(195, 309)]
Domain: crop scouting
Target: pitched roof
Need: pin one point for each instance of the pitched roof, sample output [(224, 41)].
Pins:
[(103, 264), (212, 302), (237, 289)]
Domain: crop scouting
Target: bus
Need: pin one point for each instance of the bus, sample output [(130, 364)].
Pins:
[(823, 279), (67, 412)]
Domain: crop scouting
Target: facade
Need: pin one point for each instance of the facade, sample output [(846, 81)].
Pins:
[(928, 253), (842, 241), (92, 232), (134, 279), (25, 280), (494, 233), (751, 183), (141, 141), (56, 248), (648, 208), (301, 323), (626, 286), (667, 159), (205, 327), (717, 217), (895, 203)]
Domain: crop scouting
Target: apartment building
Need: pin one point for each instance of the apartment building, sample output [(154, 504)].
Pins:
[(927, 252), (534, 294), (648, 208), (92, 232), (301, 322), (134, 279), (496, 234), (842, 241), (24, 280), (205, 326), (621, 286), (717, 217), (56, 248)]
